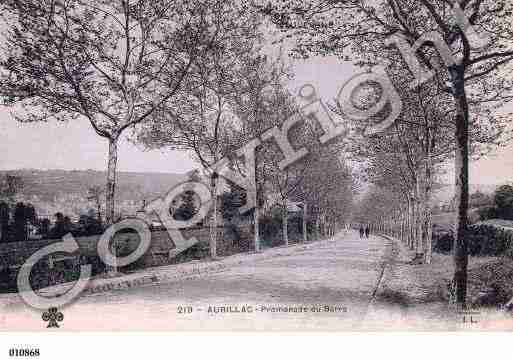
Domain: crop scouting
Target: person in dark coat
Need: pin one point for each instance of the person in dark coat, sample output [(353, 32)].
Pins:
[(367, 230), (361, 231)]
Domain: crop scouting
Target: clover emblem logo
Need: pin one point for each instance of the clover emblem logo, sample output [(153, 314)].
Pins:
[(52, 316)]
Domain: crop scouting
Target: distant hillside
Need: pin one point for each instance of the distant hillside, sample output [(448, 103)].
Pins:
[(48, 184)]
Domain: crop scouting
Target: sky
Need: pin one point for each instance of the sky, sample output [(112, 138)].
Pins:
[(75, 146)]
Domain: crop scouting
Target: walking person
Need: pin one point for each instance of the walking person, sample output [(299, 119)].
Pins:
[(367, 230), (361, 231)]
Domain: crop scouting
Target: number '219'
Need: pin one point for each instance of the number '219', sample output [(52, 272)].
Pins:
[(184, 310)]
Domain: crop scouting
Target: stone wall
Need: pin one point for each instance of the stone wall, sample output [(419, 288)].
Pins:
[(230, 240)]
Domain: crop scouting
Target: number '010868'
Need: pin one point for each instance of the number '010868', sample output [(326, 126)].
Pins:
[(23, 353)]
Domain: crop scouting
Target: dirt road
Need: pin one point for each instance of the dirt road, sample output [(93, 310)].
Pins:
[(325, 285)]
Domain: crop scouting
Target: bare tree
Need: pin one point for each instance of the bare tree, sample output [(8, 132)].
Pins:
[(327, 188), (204, 122), (114, 63), (283, 182), (259, 107), (353, 27)]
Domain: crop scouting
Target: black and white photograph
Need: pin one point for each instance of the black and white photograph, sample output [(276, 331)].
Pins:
[(255, 166)]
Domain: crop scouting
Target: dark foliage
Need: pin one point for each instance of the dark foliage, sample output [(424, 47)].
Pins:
[(187, 208), (22, 215), (4, 220), (443, 239), (482, 240), (88, 225), (44, 227), (488, 212), (231, 202), (270, 230), (59, 228), (504, 202)]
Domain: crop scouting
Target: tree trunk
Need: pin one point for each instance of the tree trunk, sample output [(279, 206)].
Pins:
[(111, 180), (419, 248), (256, 213), (285, 221), (257, 229), (429, 237), (406, 219), (110, 195), (404, 223), (99, 208), (427, 214), (396, 225), (461, 188), (411, 225), (305, 234), (399, 224), (213, 222)]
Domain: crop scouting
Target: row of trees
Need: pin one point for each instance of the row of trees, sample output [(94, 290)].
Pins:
[(16, 217), (191, 75), (181, 75), (500, 206), (450, 115), (221, 122), (15, 223), (116, 64)]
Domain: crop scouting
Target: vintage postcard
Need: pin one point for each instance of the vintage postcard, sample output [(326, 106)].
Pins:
[(251, 165)]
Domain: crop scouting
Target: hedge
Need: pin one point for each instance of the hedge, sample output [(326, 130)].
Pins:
[(487, 239), (482, 240)]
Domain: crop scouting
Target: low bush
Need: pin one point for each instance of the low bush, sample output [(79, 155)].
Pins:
[(442, 239), (487, 239), (487, 213), (270, 230), (483, 239)]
